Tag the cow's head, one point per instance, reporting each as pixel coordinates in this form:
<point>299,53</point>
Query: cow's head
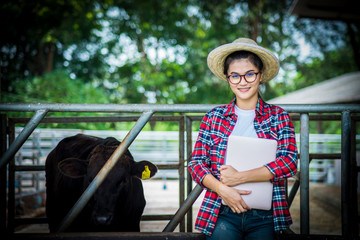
<point>112,197</point>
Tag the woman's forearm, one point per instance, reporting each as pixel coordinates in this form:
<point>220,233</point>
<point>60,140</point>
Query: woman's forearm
<point>231,177</point>
<point>211,183</point>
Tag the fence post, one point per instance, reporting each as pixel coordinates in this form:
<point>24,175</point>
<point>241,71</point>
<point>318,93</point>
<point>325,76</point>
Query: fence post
<point>346,207</point>
<point>3,173</point>
<point>181,169</point>
<point>304,176</point>
<point>189,178</point>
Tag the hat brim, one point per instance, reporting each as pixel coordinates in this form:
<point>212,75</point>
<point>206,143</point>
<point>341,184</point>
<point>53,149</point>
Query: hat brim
<point>216,59</point>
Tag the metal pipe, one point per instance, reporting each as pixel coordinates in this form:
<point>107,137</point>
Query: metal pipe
<point>11,185</point>
<point>170,227</point>
<point>181,168</point>
<point>96,119</point>
<point>25,133</point>
<point>293,191</point>
<point>346,173</point>
<point>3,173</point>
<point>354,177</point>
<point>115,108</point>
<point>304,176</point>
<point>189,216</point>
<point>94,185</point>
<point>165,108</point>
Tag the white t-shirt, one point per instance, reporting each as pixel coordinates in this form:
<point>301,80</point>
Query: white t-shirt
<point>245,123</point>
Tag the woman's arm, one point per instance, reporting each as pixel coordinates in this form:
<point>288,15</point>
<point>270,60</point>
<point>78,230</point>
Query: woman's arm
<point>231,196</point>
<point>285,164</point>
<point>231,177</point>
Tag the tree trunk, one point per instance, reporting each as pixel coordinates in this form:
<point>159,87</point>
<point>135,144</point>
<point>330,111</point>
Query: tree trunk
<point>354,45</point>
<point>39,68</point>
<point>255,7</point>
<point>49,57</point>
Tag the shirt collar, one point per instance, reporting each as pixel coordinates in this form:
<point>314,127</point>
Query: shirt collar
<point>259,110</point>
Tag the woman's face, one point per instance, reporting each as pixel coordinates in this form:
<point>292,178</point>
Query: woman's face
<point>246,93</point>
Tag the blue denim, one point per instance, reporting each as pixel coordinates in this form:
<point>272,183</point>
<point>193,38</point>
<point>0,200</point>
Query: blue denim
<point>254,224</point>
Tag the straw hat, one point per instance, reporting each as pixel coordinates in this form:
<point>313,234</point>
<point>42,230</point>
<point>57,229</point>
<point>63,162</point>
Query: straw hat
<point>216,58</point>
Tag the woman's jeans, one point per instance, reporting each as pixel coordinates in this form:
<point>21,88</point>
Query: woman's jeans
<point>254,224</point>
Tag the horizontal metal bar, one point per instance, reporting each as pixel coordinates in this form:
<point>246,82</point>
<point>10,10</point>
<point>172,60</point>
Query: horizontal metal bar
<point>28,168</point>
<point>108,236</point>
<point>157,217</point>
<point>296,117</point>
<point>26,221</point>
<point>323,156</point>
<point>96,119</point>
<point>23,221</point>
<point>74,107</point>
<point>168,166</point>
<point>165,108</point>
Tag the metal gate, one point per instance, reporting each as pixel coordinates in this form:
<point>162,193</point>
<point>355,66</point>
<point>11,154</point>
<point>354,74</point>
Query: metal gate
<point>347,114</point>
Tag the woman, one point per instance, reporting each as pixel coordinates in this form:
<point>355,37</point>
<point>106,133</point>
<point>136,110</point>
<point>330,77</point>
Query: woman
<point>244,65</point>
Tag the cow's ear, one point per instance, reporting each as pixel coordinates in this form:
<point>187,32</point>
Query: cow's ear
<point>73,167</point>
<point>143,169</point>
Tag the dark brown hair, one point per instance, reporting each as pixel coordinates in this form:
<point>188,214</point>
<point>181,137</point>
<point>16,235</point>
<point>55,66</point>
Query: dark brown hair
<point>253,58</point>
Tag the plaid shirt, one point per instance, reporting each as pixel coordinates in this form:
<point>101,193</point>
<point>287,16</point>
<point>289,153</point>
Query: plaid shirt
<point>270,122</point>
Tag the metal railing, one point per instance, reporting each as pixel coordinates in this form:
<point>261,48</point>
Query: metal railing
<point>349,116</point>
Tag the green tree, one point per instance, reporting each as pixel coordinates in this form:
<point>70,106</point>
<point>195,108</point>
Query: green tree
<point>36,33</point>
<point>153,51</point>
<point>57,87</point>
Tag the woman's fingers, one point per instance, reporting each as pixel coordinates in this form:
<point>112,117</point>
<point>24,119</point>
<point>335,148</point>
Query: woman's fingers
<point>238,209</point>
<point>242,202</point>
<point>244,192</point>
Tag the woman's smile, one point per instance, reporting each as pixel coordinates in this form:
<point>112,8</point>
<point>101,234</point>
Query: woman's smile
<point>244,89</point>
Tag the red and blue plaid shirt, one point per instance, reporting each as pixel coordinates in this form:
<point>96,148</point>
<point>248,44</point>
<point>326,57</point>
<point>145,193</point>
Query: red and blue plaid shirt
<point>270,122</point>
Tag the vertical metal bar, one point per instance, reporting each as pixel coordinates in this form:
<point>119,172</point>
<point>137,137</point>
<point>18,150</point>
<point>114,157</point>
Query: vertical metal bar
<point>188,176</point>
<point>181,169</point>
<point>3,173</point>
<point>25,133</point>
<point>11,182</point>
<point>94,185</point>
<point>346,207</point>
<point>354,181</point>
<point>170,227</point>
<point>304,177</point>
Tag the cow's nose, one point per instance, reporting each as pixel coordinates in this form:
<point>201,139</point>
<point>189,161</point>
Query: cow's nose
<point>102,220</point>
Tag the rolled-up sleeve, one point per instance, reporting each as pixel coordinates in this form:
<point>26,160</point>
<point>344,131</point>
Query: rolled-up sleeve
<point>285,164</point>
<point>199,165</point>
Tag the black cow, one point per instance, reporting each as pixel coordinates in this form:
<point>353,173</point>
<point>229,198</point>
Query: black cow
<point>118,203</point>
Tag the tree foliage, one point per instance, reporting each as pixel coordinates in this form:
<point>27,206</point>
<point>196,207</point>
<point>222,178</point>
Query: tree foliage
<point>155,51</point>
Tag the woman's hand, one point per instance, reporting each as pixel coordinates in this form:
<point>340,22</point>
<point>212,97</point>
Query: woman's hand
<point>232,198</point>
<point>229,176</point>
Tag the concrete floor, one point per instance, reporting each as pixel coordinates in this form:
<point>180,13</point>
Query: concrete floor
<point>163,198</point>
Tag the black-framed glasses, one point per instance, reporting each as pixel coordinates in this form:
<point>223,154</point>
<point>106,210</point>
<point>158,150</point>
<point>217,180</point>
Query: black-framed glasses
<point>236,78</point>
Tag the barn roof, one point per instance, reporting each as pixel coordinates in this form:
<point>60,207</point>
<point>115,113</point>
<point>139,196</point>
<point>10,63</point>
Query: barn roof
<point>342,89</point>
<point>343,10</point>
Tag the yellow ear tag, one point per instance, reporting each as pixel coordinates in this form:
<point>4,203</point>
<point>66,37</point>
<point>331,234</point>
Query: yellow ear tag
<point>146,173</point>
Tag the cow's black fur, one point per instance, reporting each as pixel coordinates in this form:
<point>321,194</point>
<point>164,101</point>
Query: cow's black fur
<point>118,203</point>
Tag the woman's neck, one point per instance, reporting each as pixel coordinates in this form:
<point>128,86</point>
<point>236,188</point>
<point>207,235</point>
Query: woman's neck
<point>247,104</point>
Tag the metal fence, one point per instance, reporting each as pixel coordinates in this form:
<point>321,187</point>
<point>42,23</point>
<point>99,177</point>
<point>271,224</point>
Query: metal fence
<point>347,114</point>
